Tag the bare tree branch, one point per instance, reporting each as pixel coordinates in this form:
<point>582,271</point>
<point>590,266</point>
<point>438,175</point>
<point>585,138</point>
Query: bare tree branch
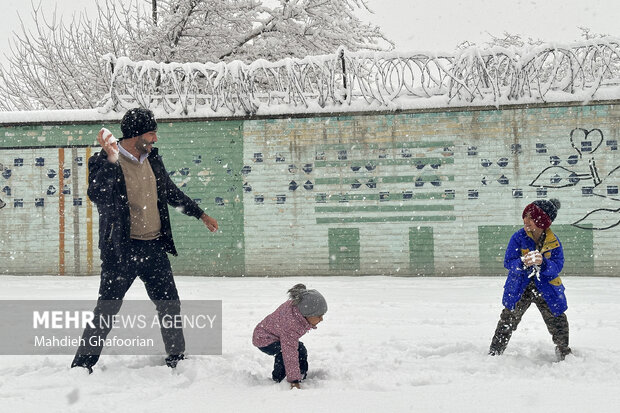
<point>60,65</point>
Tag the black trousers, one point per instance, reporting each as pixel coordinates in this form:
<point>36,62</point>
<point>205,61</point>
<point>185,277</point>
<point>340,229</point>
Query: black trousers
<point>279,372</point>
<point>510,319</point>
<point>149,261</point>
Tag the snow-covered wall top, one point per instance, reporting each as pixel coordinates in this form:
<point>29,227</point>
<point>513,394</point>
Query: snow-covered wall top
<point>361,81</point>
<point>365,80</point>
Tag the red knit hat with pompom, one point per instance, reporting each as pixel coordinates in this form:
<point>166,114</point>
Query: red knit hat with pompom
<point>543,212</point>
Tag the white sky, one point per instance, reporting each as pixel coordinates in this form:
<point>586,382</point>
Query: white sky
<point>422,25</point>
<point>440,25</point>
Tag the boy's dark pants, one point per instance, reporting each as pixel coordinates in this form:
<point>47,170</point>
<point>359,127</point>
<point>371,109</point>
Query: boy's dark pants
<point>509,320</point>
<point>279,373</point>
<point>149,261</point>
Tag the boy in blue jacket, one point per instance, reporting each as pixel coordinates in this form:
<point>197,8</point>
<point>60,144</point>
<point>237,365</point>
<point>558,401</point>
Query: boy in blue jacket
<point>534,259</point>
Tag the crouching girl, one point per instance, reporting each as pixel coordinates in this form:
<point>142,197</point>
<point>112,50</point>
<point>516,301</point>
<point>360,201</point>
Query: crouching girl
<point>278,334</point>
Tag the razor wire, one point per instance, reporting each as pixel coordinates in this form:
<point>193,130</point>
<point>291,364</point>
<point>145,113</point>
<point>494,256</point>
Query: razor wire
<point>378,80</point>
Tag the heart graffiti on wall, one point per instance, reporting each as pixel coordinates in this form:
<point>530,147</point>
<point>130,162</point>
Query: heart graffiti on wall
<point>598,180</point>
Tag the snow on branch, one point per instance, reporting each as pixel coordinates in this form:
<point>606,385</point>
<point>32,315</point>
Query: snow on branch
<point>496,76</point>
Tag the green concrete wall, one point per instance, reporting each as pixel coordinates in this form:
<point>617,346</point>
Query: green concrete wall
<point>50,227</point>
<point>429,192</point>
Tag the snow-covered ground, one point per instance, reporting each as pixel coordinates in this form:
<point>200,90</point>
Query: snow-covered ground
<point>386,345</point>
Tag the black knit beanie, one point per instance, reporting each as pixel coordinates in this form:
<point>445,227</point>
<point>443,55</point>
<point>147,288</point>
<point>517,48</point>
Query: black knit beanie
<point>137,121</point>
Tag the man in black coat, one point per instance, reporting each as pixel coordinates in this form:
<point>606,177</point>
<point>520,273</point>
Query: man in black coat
<point>132,190</point>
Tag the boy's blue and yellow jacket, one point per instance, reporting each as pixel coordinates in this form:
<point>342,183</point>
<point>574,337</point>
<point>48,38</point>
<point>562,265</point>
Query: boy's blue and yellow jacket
<point>549,284</point>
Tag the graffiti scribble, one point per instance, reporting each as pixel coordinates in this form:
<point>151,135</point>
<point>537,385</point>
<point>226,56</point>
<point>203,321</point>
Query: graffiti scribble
<point>558,177</point>
<point>601,219</point>
<point>586,141</point>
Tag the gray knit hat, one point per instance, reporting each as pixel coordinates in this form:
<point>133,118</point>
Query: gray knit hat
<point>310,302</point>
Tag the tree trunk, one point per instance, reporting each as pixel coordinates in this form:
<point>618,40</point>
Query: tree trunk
<point>154,5</point>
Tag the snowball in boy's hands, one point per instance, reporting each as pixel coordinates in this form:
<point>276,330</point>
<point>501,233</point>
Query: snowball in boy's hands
<point>295,386</point>
<point>536,257</point>
<point>109,144</point>
<point>532,258</point>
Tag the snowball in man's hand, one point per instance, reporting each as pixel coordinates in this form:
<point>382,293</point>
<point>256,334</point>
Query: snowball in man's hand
<point>108,137</point>
<point>111,145</point>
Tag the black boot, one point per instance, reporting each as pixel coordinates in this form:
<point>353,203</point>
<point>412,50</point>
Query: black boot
<point>173,359</point>
<point>498,343</point>
<point>84,361</point>
<point>279,372</point>
<point>495,351</point>
<point>562,352</point>
<point>89,368</point>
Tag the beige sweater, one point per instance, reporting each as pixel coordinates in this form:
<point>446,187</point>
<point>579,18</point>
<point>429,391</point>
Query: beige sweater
<point>142,196</point>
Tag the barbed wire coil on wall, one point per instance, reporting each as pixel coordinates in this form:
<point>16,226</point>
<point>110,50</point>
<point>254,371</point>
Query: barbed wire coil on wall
<point>386,80</point>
